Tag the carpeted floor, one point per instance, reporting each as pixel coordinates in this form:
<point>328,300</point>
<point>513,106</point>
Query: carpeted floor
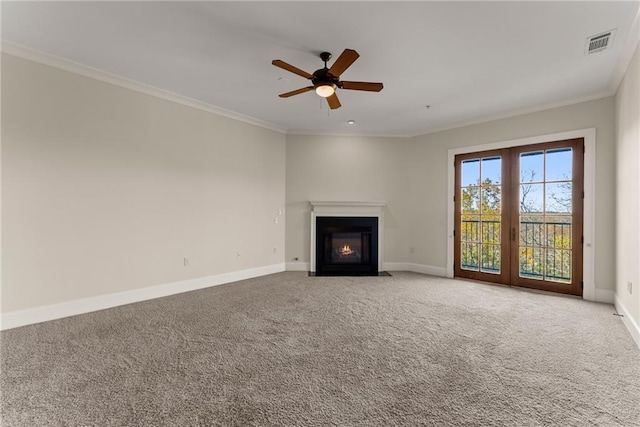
<point>293,350</point>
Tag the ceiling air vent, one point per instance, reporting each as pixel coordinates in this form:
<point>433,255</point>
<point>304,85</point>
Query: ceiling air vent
<point>599,42</point>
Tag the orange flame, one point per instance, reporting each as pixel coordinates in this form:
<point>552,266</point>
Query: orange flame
<point>346,250</point>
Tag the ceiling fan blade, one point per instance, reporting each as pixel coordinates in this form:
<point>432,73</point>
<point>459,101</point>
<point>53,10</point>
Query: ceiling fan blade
<point>371,87</point>
<point>291,68</point>
<point>333,101</point>
<point>343,62</point>
<point>296,92</point>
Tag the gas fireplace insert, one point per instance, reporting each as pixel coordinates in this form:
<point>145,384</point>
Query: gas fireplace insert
<point>346,246</point>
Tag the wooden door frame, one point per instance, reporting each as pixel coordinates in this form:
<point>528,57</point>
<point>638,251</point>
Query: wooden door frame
<point>505,218</point>
<point>577,146</point>
<point>589,135</point>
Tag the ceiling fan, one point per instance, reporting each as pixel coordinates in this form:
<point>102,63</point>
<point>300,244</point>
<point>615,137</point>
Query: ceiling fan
<point>325,81</point>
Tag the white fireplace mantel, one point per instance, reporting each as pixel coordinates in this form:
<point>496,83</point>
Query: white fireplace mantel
<point>347,209</point>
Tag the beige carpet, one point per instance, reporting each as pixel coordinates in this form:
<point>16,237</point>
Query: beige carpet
<point>292,350</point>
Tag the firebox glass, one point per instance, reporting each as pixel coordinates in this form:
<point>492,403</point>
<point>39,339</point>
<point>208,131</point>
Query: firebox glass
<point>346,248</point>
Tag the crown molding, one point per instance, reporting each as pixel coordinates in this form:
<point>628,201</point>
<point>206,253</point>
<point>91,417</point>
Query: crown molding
<point>33,55</point>
<point>347,135</point>
<point>626,53</point>
<point>343,203</point>
<point>515,113</point>
<point>463,123</point>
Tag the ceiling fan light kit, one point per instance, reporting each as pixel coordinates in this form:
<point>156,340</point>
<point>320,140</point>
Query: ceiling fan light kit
<point>326,80</point>
<point>325,90</point>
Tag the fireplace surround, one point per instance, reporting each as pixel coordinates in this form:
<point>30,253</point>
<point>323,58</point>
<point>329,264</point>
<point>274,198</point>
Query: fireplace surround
<point>347,238</point>
<point>346,245</point>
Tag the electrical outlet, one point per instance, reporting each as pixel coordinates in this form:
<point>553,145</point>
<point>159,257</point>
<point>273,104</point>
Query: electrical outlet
<point>630,287</point>
<point>275,249</point>
<point>186,262</point>
<point>412,250</point>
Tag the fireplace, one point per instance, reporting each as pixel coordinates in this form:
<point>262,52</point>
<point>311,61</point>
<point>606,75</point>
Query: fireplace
<point>346,246</point>
<point>347,238</point>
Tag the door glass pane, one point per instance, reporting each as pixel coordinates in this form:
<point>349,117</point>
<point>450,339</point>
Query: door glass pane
<point>470,200</point>
<point>532,230</point>
<point>532,263</point>
<point>470,172</point>
<point>490,258</point>
<point>470,228</point>
<point>531,198</point>
<point>558,233</point>
<point>558,241</point>
<point>558,198</point>
<point>469,254</point>
<point>545,215</point>
<point>532,166</point>
<point>490,200</point>
<point>558,165</point>
<point>490,229</point>
<point>491,170</point>
<point>558,265</point>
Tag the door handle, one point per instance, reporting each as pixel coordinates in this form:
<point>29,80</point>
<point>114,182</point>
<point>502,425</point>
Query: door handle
<point>513,234</point>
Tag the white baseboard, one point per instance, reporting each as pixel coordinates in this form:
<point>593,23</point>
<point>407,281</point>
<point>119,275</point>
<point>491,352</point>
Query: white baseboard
<point>297,266</point>
<point>395,266</point>
<point>629,322</point>
<point>589,291</point>
<point>387,266</point>
<point>14,319</point>
<point>603,295</point>
<point>416,268</point>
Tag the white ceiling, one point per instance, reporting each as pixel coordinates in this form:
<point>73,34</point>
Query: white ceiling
<point>470,61</point>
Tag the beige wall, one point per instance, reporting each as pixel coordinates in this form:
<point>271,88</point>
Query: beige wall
<point>330,168</point>
<point>628,190</point>
<point>105,189</point>
<point>412,175</point>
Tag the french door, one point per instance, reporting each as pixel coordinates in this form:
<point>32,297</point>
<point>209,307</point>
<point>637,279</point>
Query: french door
<point>519,216</point>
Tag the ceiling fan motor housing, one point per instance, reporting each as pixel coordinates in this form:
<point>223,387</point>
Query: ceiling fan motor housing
<point>323,77</point>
